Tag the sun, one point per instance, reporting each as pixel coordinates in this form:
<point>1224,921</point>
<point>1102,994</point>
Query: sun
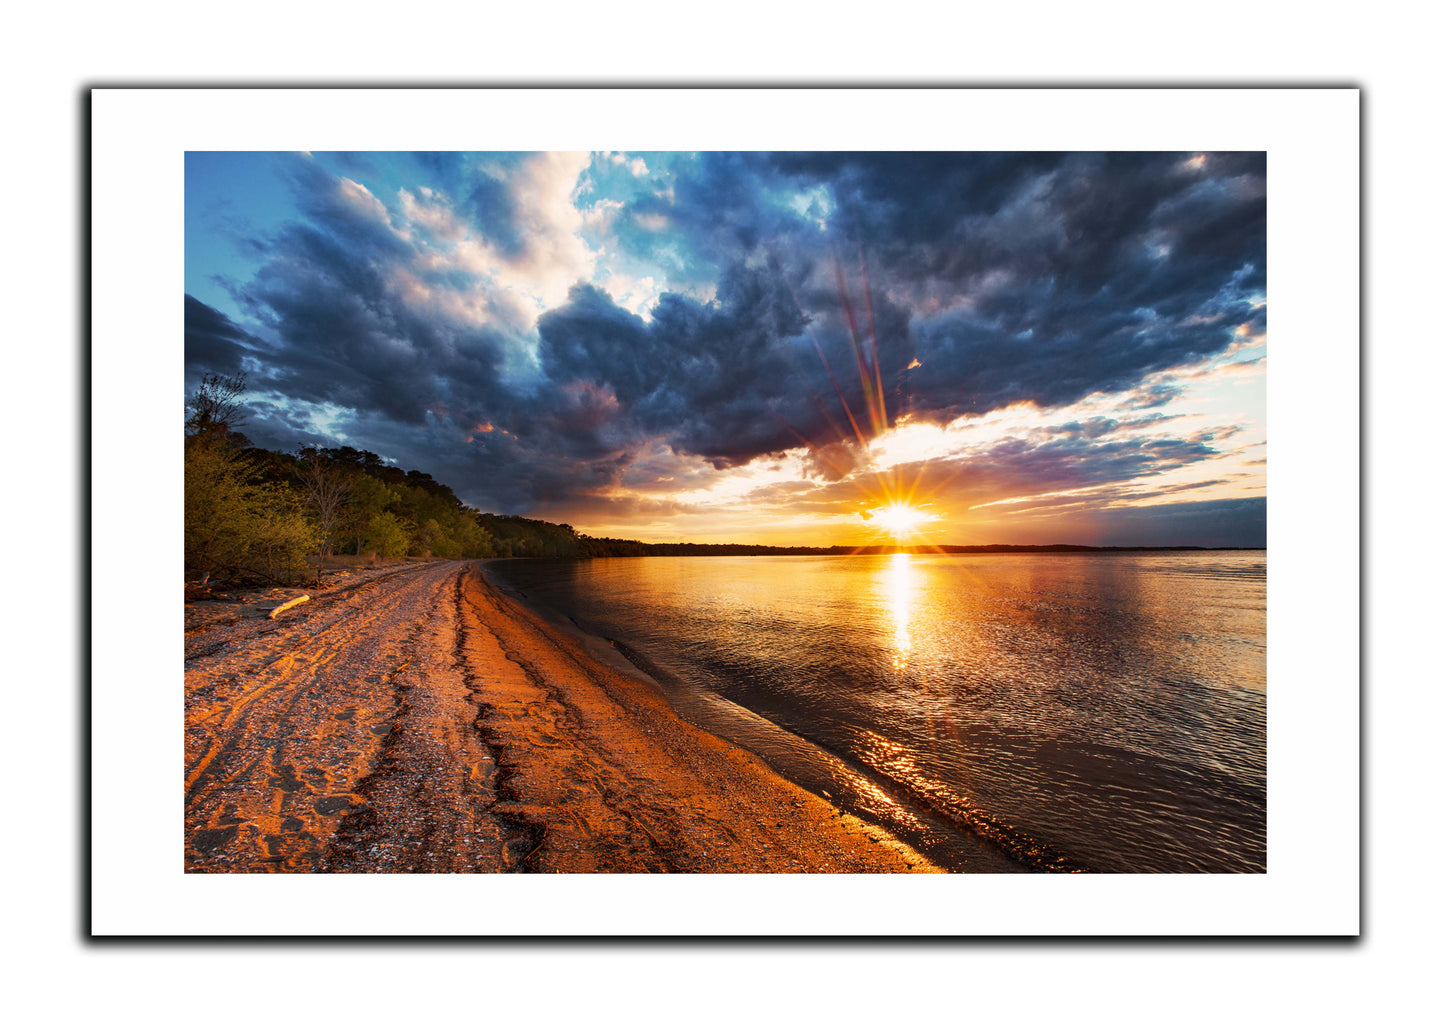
<point>900,520</point>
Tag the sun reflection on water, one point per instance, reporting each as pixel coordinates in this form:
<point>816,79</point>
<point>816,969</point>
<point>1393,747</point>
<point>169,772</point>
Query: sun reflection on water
<point>900,593</point>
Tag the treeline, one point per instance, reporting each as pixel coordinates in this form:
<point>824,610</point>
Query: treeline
<point>593,546</point>
<point>255,515</point>
<point>1009,548</point>
<point>515,536</point>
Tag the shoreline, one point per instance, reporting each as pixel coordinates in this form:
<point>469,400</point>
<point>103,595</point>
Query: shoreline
<point>953,843</point>
<point>427,722</point>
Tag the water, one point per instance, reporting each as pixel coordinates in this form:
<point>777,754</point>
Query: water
<point>1098,712</point>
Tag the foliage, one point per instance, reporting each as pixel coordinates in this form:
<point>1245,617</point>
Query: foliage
<point>254,514</point>
<point>326,489</point>
<point>237,526</point>
<point>513,536</point>
<point>387,535</point>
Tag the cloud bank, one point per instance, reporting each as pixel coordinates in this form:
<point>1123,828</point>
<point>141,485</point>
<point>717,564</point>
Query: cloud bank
<point>550,330</point>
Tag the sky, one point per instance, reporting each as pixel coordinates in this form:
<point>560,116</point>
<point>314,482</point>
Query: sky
<point>791,348</point>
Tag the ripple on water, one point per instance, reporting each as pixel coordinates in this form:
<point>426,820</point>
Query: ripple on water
<point>1105,708</point>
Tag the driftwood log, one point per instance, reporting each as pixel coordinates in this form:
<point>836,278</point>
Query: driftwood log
<point>289,604</point>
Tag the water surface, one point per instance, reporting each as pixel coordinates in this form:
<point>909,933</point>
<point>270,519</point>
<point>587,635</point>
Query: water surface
<point>1100,712</point>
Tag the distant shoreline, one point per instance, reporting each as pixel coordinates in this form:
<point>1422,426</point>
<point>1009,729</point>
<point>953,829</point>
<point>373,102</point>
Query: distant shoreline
<point>592,546</point>
<point>1023,548</point>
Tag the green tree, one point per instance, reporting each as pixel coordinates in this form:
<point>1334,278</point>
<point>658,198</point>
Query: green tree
<point>387,535</point>
<point>256,514</point>
<point>236,527</point>
<point>369,498</point>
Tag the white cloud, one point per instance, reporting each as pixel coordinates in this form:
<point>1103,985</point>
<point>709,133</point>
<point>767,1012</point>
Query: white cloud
<point>815,205</point>
<point>433,213</point>
<point>363,201</point>
<point>553,255</point>
<point>636,166</point>
<point>600,216</point>
<point>639,295</point>
<point>511,289</point>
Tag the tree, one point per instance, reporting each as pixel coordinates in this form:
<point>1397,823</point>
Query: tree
<point>252,513</point>
<point>328,490</point>
<point>215,405</point>
<point>387,535</point>
<point>237,526</point>
<point>369,498</point>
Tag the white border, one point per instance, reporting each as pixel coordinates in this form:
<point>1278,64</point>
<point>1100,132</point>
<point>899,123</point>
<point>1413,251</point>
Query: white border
<point>139,138</point>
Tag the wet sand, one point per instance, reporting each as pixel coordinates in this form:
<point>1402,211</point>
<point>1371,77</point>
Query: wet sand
<point>419,721</point>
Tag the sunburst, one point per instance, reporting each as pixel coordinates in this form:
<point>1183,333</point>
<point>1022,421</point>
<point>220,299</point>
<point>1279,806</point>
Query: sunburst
<point>899,519</point>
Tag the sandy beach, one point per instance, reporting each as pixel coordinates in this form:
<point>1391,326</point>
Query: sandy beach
<point>413,719</point>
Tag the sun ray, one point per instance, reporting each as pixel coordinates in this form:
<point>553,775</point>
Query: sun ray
<point>900,519</point>
<point>873,337</point>
<point>894,500</point>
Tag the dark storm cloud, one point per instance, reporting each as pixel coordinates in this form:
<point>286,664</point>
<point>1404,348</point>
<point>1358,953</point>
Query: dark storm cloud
<point>340,332</point>
<point>1078,273</point>
<point>1034,277</point>
<point>344,334</point>
<point>718,210</point>
<point>737,377</point>
<point>346,339</point>
<point>344,210</point>
<point>214,341</point>
<point>1075,216</point>
<point>713,376</point>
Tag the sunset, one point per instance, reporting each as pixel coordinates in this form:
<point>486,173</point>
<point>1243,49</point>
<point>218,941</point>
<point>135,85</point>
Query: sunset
<point>752,512</point>
<point>787,349</point>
